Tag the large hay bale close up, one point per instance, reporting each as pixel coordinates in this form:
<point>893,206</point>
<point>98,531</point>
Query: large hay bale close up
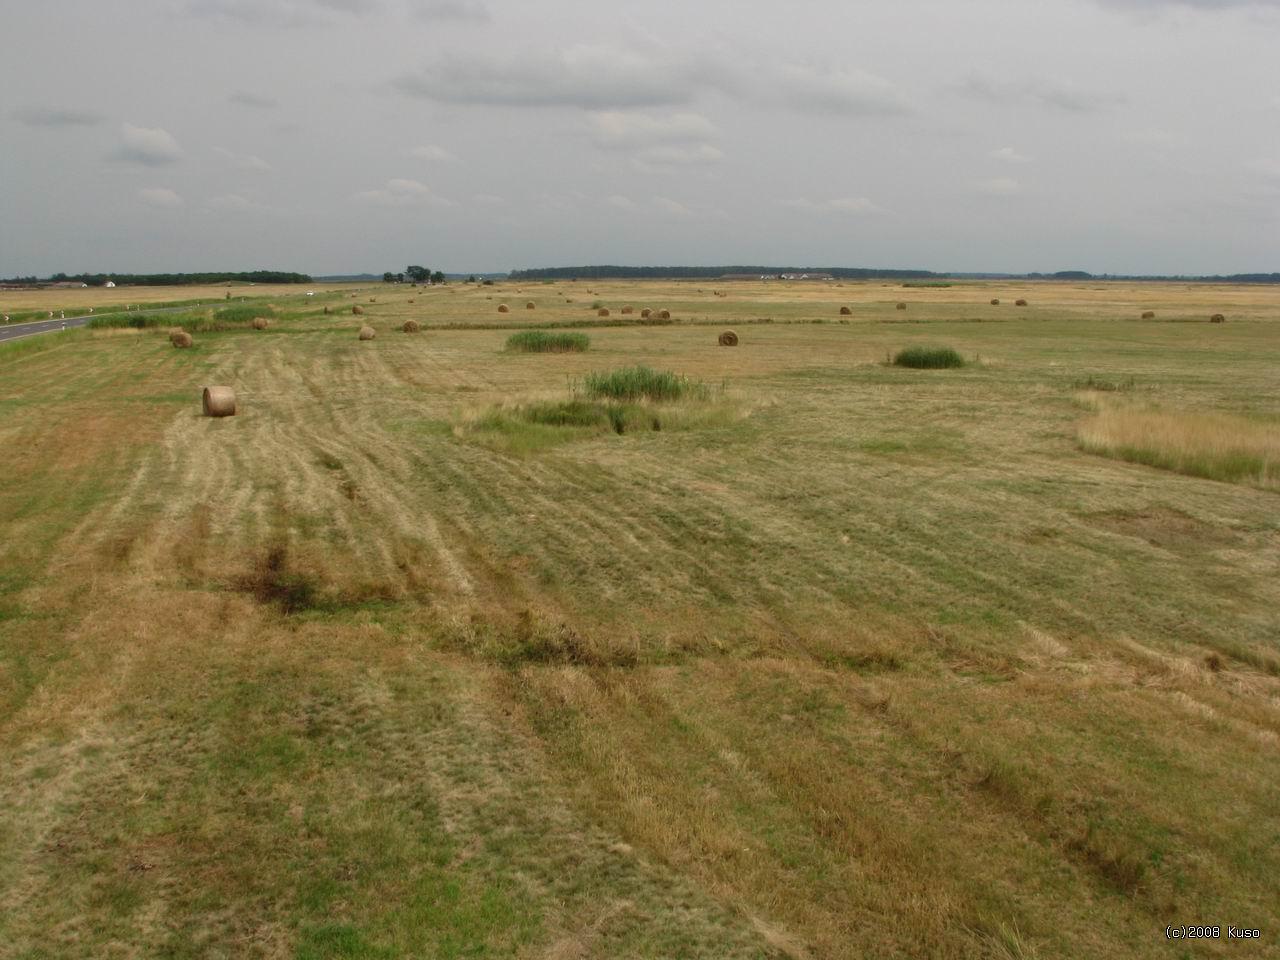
<point>367,333</point>
<point>530,305</point>
<point>1019,303</point>
<point>846,312</point>
<point>728,339</point>
<point>503,308</point>
<point>664,315</point>
<point>645,313</point>
<point>602,312</point>
<point>627,310</point>
<point>900,306</point>
<point>1217,318</point>
<point>411,326</point>
<point>1148,314</point>
<point>181,339</point>
<point>260,323</point>
<point>219,402</point>
<point>995,301</point>
<point>358,310</point>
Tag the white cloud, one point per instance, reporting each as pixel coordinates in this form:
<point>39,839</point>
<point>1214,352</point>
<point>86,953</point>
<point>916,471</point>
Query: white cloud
<point>671,207</point>
<point>621,202</point>
<point>852,92</point>
<point>665,159</point>
<point>850,206</point>
<point>614,128</point>
<point>400,192</point>
<point>433,154</point>
<point>233,203</point>
<point>149,146</point>
<point>159,197</point>
<point>998,187</point>
<point>245,161</point>
<point>1009,155</point>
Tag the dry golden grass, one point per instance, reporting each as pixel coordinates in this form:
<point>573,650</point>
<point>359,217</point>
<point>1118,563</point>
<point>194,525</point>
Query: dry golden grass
<point>1217,446</point>
<point>884,664</point>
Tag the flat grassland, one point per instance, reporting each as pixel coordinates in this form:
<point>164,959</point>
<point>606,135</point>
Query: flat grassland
<point>419,656</point>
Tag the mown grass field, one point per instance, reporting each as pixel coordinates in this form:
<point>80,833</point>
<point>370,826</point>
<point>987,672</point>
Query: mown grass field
<point>838,659</point>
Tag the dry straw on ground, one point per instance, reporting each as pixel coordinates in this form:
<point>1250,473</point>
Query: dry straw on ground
<point>219,402</point>
<point>367,333</point>
<point>728,339</point>
<point>260,323</point>
<point>411,326</point>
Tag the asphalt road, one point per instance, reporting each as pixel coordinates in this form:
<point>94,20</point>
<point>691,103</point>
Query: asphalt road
<point>15,331</point>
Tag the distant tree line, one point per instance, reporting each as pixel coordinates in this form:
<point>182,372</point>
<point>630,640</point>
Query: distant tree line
<point>707,273</point>
<point>414,274</point>
<point>168,279</point>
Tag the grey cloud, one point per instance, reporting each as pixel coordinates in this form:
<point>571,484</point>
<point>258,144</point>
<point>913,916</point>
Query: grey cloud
<point>56,117</point>
<point>464,10</point>
<point>1048,93</point>
<point>1197,4</point>
<point>615,128</point>
<point>247,99</point>
<point>285,13</point>
<point>589,77</point>
<point>151,147</point>
<point>244,161</point>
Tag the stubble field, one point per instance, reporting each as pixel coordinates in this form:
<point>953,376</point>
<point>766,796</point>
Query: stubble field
<point>830,658</point>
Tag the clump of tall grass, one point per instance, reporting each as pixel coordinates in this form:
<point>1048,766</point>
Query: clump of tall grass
<point>1104,385</point>
<point>539,341</point>
<point>928,358</point>
<point>243,313</point>
<point>643,383</point>
<point>1216,446</point>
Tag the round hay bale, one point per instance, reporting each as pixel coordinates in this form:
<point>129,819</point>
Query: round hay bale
<point>901,306</point>
<point>503,308</point>
<point>530,305</point>
<point>326,311</point>
<point>728,339</point>
<point>358,310</point>
<point>411,326</point>
<point>1019,303</point>
<point>260,323</point>
<point>602,312</point>
<point>627,310</point>
<point>846,312</point>
<point>373,299</point>
<point>219,402</point>
<point>411,299</point>
<point>367,333</point>
<point>664,315</point>
<point>181,339</point>
<point>995,301</point>
<point>1217,318</point>
<point>644,314</point>
<point>1148,314</point>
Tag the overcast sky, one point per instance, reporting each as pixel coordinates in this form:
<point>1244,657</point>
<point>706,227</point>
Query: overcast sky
<point>334,136</point>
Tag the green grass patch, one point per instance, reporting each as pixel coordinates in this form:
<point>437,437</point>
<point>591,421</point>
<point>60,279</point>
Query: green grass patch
<point>644,383</point>
<point>928,358</point>
<point>539,341</point>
